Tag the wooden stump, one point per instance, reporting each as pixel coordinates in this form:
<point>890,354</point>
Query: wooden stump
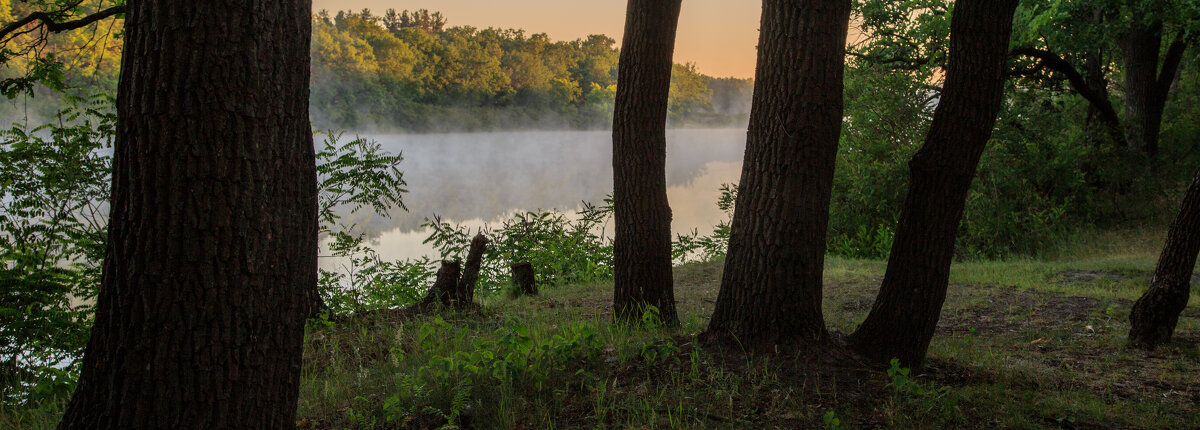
<point>523,279</point>
<point>445,287</point>
<point>453,286</point>
<point>466,285</point>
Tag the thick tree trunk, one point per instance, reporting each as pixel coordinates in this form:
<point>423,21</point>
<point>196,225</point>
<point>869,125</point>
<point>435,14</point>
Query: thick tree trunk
<point>523,279</point>
<point>902,321</point>
<point>212,246</point>
<point>1143,102</point>
<point>1153,319</point>
<point>642,218</point>
<point>771,288</point>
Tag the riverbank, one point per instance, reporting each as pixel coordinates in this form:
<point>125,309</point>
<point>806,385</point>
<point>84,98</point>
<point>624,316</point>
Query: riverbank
<point>1020,344</point>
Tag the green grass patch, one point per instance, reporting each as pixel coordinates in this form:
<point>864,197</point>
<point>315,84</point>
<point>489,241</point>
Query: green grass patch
<point>1021,343</point>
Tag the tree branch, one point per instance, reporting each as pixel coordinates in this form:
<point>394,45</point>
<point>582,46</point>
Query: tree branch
<point>1170,65</point>
<point>46,20</point>
<point>895,62</point>
<point>1095,98</point>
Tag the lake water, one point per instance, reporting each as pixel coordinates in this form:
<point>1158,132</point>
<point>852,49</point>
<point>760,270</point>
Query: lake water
<point>477,178</point>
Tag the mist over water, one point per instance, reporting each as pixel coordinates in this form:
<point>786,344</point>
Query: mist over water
<point>477,178</point>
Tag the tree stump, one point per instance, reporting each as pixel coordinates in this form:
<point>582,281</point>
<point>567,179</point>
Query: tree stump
<point>466,285</point>
<point>523,279</point>
<point>445,288</point>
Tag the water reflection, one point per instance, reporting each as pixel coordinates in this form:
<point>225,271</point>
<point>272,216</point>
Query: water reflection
<point>477,178</point>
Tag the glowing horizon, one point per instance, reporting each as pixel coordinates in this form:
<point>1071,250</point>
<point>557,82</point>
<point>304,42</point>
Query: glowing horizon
<point>719,36</point>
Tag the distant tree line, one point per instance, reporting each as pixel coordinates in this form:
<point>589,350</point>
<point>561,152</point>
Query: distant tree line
<point>409,71</point>
<point>399,71</point>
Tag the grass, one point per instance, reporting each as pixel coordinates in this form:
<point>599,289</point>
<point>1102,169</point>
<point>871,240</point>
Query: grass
<point>1022,344</point>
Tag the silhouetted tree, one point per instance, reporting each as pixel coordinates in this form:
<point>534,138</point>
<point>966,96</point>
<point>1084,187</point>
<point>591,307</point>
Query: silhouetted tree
<point>212,237</point>
<point>1154,315</point>
<point>771,288</point>
<point>902,321</point>
<point>642,216</point>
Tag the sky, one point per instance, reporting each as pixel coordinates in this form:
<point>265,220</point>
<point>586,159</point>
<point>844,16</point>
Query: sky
<point>718,35</point>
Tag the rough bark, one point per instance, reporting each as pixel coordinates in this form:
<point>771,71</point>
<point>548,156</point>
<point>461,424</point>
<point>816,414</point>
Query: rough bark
<point>905,313</point>
<point>771,288</point>
<point>212,242</point>
<point>1155,314</point>
<point>466,284</point>
<point>523,279</point>
<point>642,216</point>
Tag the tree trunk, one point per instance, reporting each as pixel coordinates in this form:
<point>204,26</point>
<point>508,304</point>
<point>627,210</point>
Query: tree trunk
<point>1143,104</point>
<point>466,285</point>
<point>523,279</point>
<point>1153,319</point>
<point>642,218</point>
<point>902,321</point>
<point>771,287</point>
<point>212,246</point>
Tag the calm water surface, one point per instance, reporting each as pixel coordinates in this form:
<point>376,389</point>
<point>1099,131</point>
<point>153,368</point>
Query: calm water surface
<point>478,178</point>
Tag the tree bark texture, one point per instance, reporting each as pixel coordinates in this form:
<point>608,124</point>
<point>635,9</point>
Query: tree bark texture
<point>771,288</point>
<point>212,242</point>
<point>1143,103</point>
<point>642,218</point>
<point>523,279</point>
<point>902,321</point>
<point>1154,315</point>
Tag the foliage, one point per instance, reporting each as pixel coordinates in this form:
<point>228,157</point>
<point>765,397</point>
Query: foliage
<point>1049,170</point>
<point>35,66</point>
<point>409,71</point>
<point>694,247</point>
<point>353,176</point>
<point>54,181</point>
<point>511,358</point>
<point>562,248</point>
<point>54,190</point>
<point>922,405</point>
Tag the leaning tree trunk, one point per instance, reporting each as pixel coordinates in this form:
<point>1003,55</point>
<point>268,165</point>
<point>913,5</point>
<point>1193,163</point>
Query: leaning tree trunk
<point>212,242</point>
<point>771,287</point>
<point>642,218</point>
<point>902,321</point>
<point>1155,314</point>
<point>470,276</point>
